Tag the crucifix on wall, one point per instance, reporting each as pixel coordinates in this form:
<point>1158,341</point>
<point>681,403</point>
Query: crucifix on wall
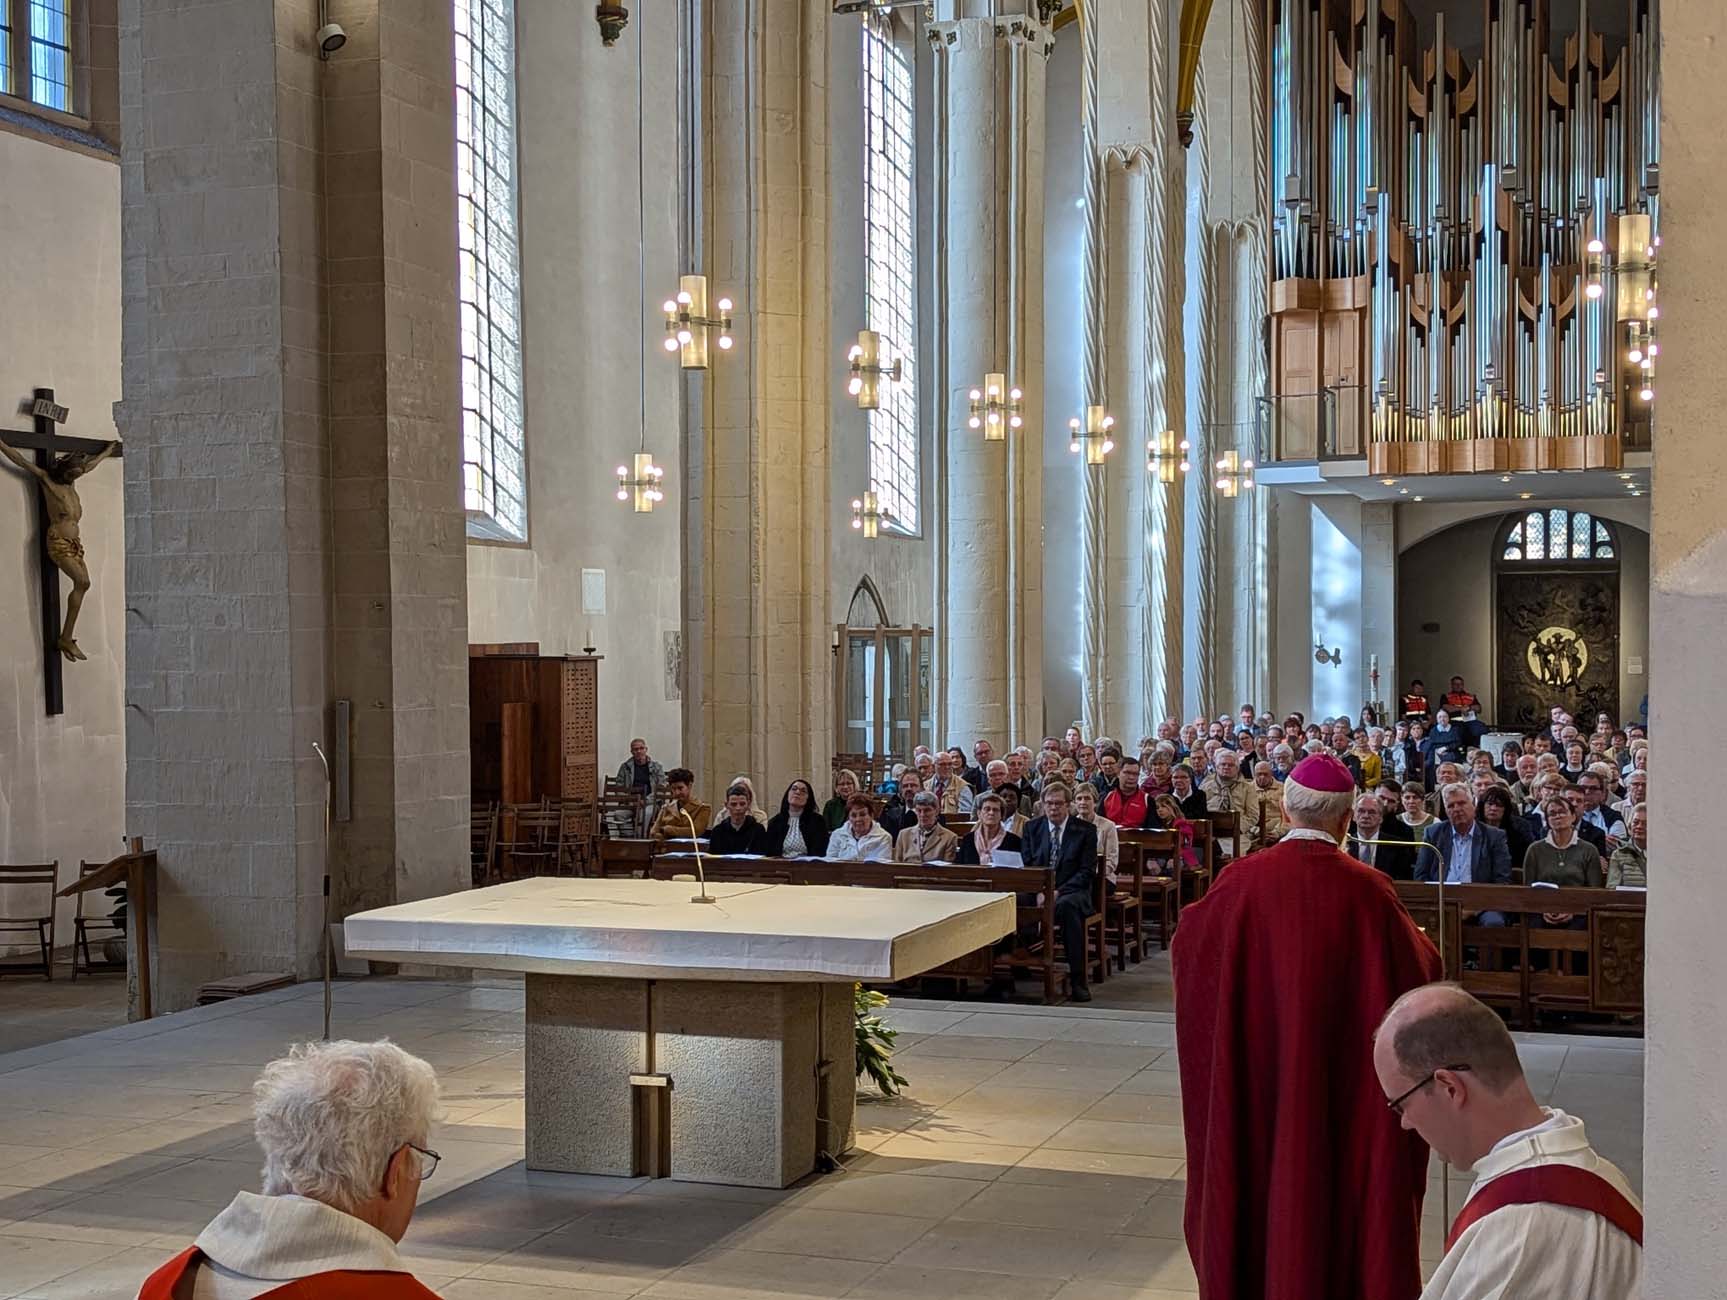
<point>58,464</point>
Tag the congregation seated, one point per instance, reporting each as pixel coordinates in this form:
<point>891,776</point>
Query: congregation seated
<point>1629,865</point>
<point>989,837</point>
<point>1562,858</point>
<point>1396,860</point>
<point>1494,807</point>
<point>1129,804</point>
<point>736,831</point>
<point>1226,790</point>
<point>1415,814</point>
<point>896,813</point>
<point>682,816</point>
<point>1108,835</point>
<point>860,839</point>
<point>1263,823</point>
<point>1184,789</point>
<point>845,786</point>
<point>344,1128</point>
<point>797,830</point>
<point>1472,851</point>
<point>640,771</point>
<point>1067,844</point>
<point>925,840</point>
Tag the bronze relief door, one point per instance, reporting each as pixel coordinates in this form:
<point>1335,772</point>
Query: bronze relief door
<point>1557,629</point>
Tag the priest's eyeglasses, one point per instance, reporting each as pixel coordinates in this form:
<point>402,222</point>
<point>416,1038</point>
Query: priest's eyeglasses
<point>428,1160</point>
<point>1396,1103</point>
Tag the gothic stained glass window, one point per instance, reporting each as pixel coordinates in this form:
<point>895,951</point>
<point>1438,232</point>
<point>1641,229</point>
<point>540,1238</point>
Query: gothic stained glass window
<point>494,440</point>
<point>890,266</point>
<point>1556,534</point>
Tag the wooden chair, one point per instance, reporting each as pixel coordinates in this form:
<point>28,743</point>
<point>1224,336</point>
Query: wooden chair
<point>1226,825</point>
<point>622,811</point>
<point>531,843</point>
<point>1159,877</point>
<point>1196,880</point>
<point>1124,916</point>
<point>21,915</point>
<point>618,857</point>
<point>483,840</point>
<point>579,834</point>
<point>83,923</point>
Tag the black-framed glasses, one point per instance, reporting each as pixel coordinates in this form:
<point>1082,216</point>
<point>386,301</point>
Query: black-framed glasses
<point>428,1160</point>
<point>1395,1105</point>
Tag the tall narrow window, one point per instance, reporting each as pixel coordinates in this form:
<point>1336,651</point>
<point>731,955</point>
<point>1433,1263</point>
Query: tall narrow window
<point>51,54</point>
<point>6,48</point>
<point>494,453</point>
<point>891,266</point>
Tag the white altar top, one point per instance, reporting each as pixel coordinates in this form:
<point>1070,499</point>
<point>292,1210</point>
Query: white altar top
<point>649,929</point>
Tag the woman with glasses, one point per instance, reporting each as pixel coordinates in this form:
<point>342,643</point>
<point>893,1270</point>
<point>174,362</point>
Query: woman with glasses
<point>797,830</point>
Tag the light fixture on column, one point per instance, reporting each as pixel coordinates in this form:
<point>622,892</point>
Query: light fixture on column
<point>642,482</point>
<point>1234,475</point>
<point>1097,436</point>
<point>1166,457</point>
<point>996,408</point>
<point>867,370</point>
<point>867,515</point>
<point>688,323</point>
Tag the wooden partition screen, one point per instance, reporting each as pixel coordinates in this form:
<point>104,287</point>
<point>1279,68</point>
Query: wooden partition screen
<point>533,724</point>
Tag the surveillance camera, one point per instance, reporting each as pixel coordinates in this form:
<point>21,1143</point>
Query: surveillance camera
<point>331,38</point>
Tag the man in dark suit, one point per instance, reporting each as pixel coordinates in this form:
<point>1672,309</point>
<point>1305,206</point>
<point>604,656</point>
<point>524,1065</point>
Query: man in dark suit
<point>1472,851</point>
<point>1396,861</point>
<point>1068,844</point>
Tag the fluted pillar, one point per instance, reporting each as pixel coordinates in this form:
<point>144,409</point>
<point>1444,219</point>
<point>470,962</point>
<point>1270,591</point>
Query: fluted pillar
<point>989,103</point>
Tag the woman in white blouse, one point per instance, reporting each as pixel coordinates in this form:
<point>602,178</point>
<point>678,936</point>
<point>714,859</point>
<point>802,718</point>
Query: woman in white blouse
<point>860,839</point>
<point>1108,842</point>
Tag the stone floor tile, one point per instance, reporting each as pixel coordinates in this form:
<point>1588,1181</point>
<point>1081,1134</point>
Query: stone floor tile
<point>1154,1080</point>
<point>1602,1060</point>
<point>981,1047</point>
<point>1004,1248</point>
<point>1053,1167</point>
<point>933,1154</point>
<point>731,1274</point>
<point>1123,1033</point>
<point>909,1282</point>
<point>587,1261</point>
<point>1161,1216</point>
<point>468,1288</point>
<point>1091,1289</point>
<point>1094,1055</point>
<point>1117,1136</point>
<point>1085,1209</point>
<point>1142,1262</point>
<point>27,1263</point>
<point>831,1234</point>
<point>868,1191</point>
<point>1137,1108</point>
<point>1004,1025</point>
<point>1072,1077</point>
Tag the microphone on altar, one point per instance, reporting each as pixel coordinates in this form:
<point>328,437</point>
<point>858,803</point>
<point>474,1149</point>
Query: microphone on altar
<point>701,872</point>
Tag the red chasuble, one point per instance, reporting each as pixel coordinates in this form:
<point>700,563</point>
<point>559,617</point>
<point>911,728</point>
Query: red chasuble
<point>1300,1183</point>
<point>339,1285</point>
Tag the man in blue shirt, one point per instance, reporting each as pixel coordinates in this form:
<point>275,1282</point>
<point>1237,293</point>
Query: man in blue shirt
<point>1473,852</point>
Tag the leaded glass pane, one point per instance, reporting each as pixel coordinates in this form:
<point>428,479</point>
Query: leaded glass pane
<point>51,54</point>
<point>493,434</point>
<point>1536,527</point>
<point>1580,535</point>
<point>890,256</point>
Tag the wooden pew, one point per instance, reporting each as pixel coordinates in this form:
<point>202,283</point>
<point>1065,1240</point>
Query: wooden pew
<point>1538,970</point>
<point>1031,949</point>
<point>1159,892</point>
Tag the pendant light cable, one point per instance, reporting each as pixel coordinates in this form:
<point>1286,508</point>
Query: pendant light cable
<point>641,239</point>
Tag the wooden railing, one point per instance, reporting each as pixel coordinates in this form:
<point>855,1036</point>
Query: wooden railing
<point>136,869</point>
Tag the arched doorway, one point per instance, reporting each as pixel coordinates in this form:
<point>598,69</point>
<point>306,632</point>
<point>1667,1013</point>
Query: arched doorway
<point>1556,635</point>
<point>882,689</point>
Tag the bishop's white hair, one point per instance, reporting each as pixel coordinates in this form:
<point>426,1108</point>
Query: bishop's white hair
<point>1315,809</point>
<point>330,1115</point>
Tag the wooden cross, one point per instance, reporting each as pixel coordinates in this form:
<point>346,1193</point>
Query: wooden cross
<point>46,443</point>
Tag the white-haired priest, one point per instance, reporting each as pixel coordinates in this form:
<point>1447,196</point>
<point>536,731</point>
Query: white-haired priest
<point>344,1128</point>
<point>1299,1180</point>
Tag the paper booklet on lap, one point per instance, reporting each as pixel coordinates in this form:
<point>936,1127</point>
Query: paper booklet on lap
<point>1006,858</point>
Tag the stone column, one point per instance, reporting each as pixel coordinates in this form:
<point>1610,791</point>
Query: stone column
<point>1378,598</point>
<point>1135,583</point>
<point>989,98</point>
<point>761,501</point>
<point>1685,1126</point>
<point>294,523</point>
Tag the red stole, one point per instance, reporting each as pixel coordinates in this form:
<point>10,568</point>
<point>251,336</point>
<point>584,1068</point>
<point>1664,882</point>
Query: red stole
<point>1568,1185</point>
<point>339,1285</point>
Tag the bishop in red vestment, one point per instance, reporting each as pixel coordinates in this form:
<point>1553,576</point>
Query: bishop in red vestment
<point>1301,1185</point>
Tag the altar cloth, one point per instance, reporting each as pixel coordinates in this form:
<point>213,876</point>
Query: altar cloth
<point>649,929</point>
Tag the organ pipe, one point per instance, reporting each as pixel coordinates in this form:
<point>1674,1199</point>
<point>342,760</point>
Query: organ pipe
<point>1461,184</point>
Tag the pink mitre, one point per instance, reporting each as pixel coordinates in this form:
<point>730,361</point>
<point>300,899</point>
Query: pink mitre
<point>1323,774</point>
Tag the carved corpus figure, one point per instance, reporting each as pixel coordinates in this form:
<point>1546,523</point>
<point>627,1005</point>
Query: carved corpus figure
<point>64,510</point>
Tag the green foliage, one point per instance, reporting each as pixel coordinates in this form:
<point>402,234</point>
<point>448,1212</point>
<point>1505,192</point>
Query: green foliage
<point>875,1040</point>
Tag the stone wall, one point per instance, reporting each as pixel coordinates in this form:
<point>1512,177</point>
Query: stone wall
<point>61,778</point>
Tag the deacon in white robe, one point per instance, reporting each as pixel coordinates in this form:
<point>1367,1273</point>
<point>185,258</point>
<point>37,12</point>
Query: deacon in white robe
<point>1547,1218</point>
<point>1541,1251</point>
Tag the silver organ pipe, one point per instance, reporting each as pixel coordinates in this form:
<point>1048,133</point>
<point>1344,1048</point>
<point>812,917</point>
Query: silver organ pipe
<point>1471,200</point>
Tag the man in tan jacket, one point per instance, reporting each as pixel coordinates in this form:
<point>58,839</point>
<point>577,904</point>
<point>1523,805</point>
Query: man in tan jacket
<point>672,823</point>
<point>924,840</point>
